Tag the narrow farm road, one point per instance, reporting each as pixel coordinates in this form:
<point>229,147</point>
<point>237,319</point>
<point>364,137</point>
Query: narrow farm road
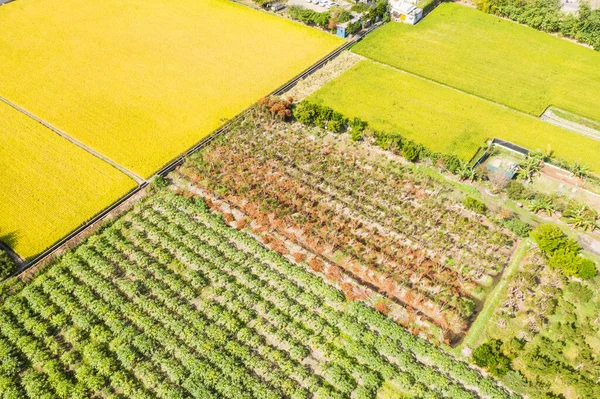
<point>494,297</point>
<point>138,179</point>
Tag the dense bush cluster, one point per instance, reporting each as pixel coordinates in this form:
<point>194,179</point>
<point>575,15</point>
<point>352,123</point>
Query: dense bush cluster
<point>546,15</point>
<point>562,252</point>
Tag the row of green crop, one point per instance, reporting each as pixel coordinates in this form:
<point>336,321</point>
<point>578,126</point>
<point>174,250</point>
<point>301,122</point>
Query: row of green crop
<point>424,349</point>
<point>170,302</point>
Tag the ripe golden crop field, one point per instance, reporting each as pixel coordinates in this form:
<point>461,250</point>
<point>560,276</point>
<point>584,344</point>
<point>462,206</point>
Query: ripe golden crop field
<point>141,81</point>
<point>48,186</point>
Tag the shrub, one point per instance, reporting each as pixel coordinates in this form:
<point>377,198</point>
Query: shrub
<point>466,307</point>
<point>587,269</point>
<point>519,227</point>
<point>278,107</point>
<point>491,357</point>
<point>305,112</point>
<point>474,205</point>
<point>411,151</point>
<point>579,291</point>
<point>320,116</point>
<point>161,182</point>
<point>516,191</point>
<point>581,215</point>
<point>565,260</point>
<point>390,142</point>
<point>7,266</point>
<point>452,163</point>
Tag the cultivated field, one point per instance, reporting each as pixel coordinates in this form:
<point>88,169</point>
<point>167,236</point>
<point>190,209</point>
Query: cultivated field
<point>170,302</point>
<point>494,59</point>
<point>441,118</point>
<point>371,225</point>
<point>142,81</point>
<point>48,186</point>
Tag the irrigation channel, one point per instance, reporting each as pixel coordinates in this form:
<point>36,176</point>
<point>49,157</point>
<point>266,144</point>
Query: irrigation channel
<point>26,265</point>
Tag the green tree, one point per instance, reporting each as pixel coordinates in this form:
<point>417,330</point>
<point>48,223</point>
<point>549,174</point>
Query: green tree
<point>587,269</point>
<point>550,238</point>
<point>516,191</point>
<point>565,260</point>
<point>491,357</point>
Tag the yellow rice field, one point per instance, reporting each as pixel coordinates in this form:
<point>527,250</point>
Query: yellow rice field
<point>48,186</point>
<point>141,81</point>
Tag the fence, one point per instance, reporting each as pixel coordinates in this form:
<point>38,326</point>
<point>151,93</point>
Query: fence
<point>181,158</point>
<point>510,146</point>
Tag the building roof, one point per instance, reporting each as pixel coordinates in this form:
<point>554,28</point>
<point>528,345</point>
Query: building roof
<point>406,8</point>
<point>353,20</point>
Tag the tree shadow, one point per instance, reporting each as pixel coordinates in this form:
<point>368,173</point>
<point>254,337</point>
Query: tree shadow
<point>9,239</point>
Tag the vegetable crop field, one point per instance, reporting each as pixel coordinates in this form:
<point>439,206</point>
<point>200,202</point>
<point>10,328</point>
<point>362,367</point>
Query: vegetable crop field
<point>48,186</point>
<point>170,302</point>
<point>492,58</point>
<point>441,118</point>
<point>141,82</point>
<point>369,224</point>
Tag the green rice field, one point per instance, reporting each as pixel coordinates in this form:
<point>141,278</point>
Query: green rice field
<point>492,58</point>
<point>441,118</point>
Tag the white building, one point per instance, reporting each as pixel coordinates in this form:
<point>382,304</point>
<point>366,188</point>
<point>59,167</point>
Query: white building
<point>405,11</point>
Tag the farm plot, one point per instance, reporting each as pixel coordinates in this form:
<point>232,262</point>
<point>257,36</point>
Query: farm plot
<point>48,186</point>
<point>443,119</point>
<point>170,302</point>
<point>492,58</point>
<point>142,81</point>
<point>359,220</point>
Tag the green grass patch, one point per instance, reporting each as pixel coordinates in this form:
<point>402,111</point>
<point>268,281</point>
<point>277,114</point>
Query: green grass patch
<point>441,118</point>
<point>475,334</point>
<point>492,58</point>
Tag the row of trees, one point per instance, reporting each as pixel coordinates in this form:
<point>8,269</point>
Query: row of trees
<point>546,15</point>
<point>336,15</point>
<point>312,114</point>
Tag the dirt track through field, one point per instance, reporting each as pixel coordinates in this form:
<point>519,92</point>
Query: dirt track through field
<point>138,179</point>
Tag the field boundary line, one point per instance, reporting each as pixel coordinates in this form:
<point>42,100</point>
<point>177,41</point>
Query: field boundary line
<point>48,253</point>
<point>539,118</point>
<point>139,180</point>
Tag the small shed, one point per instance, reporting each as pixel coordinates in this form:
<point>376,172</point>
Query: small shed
<point>405,11</point>
<point>342,29</point>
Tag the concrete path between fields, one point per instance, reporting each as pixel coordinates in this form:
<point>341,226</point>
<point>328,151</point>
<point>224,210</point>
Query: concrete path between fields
<point>138,179</point>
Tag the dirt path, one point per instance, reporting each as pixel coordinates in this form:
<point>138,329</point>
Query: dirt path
<point>574,127</point>
<point>138,179</point>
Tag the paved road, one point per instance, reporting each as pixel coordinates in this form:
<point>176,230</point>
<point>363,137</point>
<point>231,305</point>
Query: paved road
<point>79,144</point>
